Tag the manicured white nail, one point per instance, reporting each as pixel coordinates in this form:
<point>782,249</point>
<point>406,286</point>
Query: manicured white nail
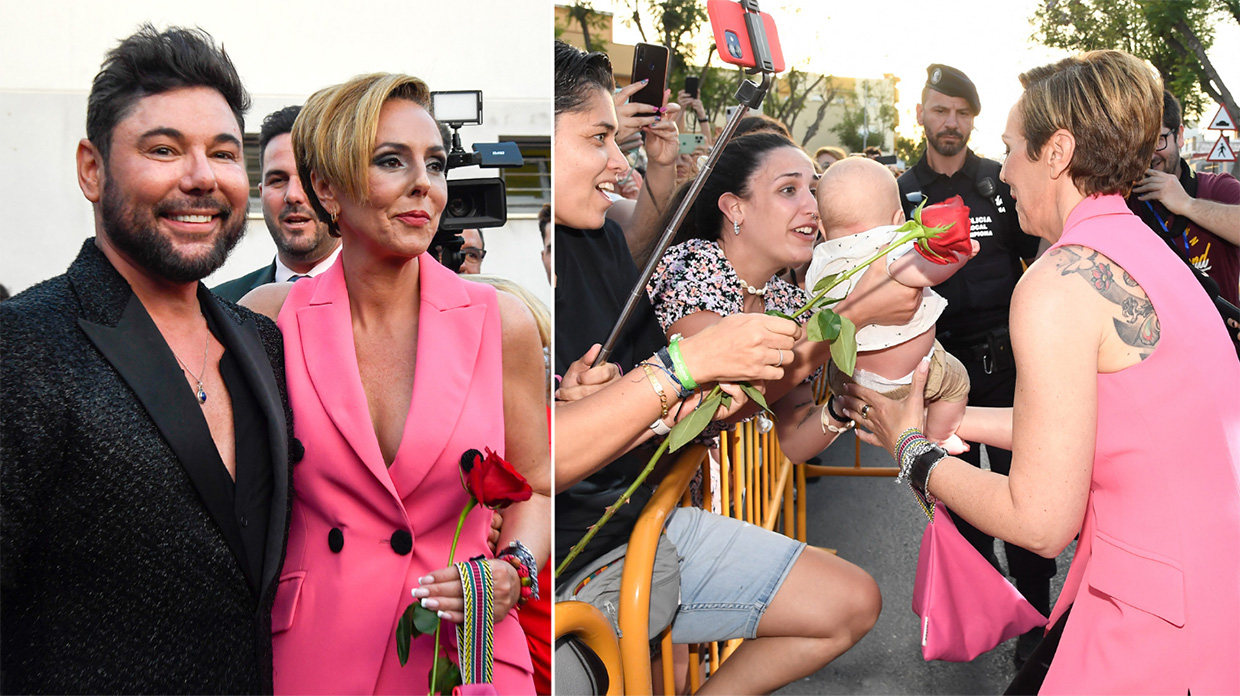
<point>444,615</point>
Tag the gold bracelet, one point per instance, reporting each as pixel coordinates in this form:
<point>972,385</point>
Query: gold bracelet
<point>658,388</point>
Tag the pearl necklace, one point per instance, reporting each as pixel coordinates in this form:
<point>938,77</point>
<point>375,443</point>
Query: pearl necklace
<point>761,292</point>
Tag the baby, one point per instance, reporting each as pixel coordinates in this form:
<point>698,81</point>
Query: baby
<point>859,203</point>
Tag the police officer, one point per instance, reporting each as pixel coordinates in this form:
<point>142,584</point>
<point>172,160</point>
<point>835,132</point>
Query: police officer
<point>974,327</point>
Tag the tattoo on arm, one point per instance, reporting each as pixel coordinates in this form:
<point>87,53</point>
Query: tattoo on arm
<point>1138,326</point>
<point>808,411</point>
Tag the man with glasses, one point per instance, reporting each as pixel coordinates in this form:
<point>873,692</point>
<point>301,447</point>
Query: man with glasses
<point>473,250</point>
<point>1198,213</point>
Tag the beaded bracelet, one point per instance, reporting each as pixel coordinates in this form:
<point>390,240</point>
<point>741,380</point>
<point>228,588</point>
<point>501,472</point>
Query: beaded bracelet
<point>906,438</point>
<point>678,363</point>
<point>910,450</point>
<point>522,560</point>
<point>658,388</point>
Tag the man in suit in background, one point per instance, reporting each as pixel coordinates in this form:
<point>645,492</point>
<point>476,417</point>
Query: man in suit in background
<point>304,247</point>
<point>145,427</point>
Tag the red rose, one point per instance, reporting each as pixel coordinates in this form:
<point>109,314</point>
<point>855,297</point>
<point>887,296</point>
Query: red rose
<point>491,480</point>
<point>952,214</point>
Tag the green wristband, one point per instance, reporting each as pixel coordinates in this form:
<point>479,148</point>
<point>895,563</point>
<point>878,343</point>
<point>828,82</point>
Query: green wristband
<point>678,364</point>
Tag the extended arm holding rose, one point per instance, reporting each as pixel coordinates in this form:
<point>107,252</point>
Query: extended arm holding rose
<point>1041,504</point>
<point>593,431</point>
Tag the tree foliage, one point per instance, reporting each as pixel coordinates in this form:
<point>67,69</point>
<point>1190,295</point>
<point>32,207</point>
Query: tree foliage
<point>856,131</point>
<point>591,22</point>
<point>675,24</point>
<point>910,150</point>
<point>1173,35</point>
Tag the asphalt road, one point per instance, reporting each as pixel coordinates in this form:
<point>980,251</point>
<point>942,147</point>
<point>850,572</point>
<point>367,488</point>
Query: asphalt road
<point>877,524</point>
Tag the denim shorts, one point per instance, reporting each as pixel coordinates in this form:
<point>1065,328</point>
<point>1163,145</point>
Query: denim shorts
<point>729,573</point>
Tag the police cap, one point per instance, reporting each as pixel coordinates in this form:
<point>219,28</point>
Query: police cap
<point>953,83</point>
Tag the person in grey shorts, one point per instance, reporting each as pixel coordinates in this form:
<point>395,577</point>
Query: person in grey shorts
<point>800,607</point>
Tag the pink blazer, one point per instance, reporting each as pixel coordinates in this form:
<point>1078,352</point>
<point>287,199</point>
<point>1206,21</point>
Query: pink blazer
<point>361,533</point>
<point>1155,582</point>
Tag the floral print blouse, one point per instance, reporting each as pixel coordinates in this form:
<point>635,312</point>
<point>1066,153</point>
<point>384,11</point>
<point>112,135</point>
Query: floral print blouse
<point>695,276</point>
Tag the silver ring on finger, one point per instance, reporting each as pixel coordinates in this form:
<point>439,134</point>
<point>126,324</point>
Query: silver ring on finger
<point>781,358</point>
<point>865,412</point>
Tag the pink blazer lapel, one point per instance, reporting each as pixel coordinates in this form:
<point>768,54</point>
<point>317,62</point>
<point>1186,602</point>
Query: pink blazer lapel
<point>449,340</point>
<point>326,330</point>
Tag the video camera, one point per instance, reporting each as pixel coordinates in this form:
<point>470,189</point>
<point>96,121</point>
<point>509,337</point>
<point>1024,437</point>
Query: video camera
<point>472,203</point>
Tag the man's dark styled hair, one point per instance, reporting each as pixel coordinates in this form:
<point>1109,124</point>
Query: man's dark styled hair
<point>152,62</point>
<point>577,75</point>
<point>276,123</point>
<point>1173,115</point>
<point>544,218</point>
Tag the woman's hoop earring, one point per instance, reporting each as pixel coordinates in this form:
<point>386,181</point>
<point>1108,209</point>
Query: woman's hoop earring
<point>736,228</point>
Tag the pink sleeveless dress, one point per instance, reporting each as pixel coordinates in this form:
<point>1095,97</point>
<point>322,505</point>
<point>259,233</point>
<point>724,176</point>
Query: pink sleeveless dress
<point>361,533</point>
<point>1155,583</point>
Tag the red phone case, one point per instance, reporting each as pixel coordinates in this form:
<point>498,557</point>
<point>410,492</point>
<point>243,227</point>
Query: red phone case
<point>727,17</point>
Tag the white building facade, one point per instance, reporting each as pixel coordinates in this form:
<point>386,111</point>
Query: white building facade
<point>51,50</point>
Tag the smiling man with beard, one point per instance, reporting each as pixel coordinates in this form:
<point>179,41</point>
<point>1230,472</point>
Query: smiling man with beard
<point>974,327</point>
<point>304,247</point>
<point>145,428</point>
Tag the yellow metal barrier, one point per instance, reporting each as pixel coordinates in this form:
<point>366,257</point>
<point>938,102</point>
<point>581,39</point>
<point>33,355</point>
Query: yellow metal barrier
<point>593,628</point>
<point>759,485</point>
<point>634,607</point>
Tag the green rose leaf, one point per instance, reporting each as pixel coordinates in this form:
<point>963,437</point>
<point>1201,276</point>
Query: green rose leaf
<point>417,620</point>
<point>424,620</point>
<point>447,676</point>
<point>824,283</point>
<point>405,633</point>
<point>844,347</point>
<point>824,326</point>
<point>756,396</point>
<point>687,429</point>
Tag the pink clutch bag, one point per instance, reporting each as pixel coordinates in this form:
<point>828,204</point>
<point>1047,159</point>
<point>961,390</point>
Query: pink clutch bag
<point>475,690</point>
<point>966,606</point>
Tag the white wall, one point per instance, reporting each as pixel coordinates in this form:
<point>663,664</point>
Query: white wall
<point>50,51</point>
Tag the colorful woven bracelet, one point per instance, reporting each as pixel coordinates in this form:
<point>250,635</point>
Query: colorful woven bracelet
<point>523,561</point>
<point>908,452</point>
<point>906,438</point>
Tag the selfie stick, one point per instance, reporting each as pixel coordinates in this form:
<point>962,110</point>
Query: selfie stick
<point>750,96</point>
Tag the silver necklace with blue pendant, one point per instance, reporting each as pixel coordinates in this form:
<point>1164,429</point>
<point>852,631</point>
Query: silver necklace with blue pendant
<point>199,392</point>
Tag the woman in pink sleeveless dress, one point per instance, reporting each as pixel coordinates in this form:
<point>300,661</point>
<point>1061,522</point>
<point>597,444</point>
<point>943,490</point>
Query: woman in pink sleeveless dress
<point>396,367</point>
<point>1126,426</point>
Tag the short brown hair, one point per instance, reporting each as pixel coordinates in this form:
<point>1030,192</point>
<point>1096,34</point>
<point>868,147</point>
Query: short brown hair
<point>1110,102</point>
<point>335,132</point>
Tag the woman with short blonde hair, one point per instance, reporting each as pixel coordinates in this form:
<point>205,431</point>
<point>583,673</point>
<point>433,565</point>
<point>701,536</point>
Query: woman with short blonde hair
<point>396,370</point>
<point>1126,429</point>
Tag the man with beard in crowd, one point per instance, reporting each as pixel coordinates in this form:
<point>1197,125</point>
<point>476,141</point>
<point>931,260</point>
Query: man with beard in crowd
<point>145,428</point>
<point>303,245</point>
<point>974,327</point>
